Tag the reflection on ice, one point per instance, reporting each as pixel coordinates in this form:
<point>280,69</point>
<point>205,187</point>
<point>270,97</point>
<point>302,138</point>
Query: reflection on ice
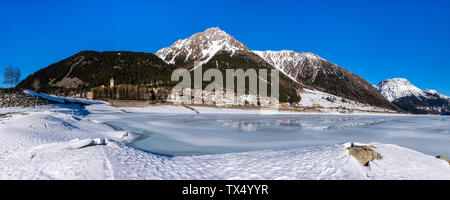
<point>240,124</point>
<point>255,125</point>
<point>215,133</point>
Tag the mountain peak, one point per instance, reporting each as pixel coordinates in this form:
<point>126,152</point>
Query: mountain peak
<point>408,97</point>
<point>214,30</point>
<point>201,46</point>
<point>398,80</point>
<point>396,88</point>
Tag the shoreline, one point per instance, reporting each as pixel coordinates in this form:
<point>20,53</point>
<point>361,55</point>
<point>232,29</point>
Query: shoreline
<point>282,110</point>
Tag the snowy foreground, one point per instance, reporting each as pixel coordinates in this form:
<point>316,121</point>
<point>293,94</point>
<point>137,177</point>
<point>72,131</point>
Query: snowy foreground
<point>64,142</point>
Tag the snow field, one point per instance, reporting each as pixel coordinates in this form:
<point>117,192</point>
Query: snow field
<point>54,144</point>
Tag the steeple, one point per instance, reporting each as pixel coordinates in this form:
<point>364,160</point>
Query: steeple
<point>111,83</point>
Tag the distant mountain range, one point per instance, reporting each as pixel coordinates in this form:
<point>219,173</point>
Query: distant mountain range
<point>216,49</point>
<point>412,99</point>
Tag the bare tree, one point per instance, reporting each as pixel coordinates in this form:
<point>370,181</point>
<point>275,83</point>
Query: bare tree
<point>8,76</point>
<point>36,85</point>
<point>11,76</point>
<point>16,76</point>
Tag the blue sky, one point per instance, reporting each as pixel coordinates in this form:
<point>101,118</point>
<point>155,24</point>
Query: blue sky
<point>374,39</point>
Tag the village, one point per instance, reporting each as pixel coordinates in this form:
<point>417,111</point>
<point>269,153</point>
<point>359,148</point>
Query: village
<point>228,98</point>
<point>157,93</point>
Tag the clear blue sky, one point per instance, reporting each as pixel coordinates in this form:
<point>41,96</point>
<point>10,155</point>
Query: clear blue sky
<point>376,39</point>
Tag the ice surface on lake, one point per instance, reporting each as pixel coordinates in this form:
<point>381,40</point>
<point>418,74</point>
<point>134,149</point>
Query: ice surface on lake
<point>187,134</point>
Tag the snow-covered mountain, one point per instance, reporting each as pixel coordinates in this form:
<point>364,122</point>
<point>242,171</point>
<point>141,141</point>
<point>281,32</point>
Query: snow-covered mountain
<point>314,71</point>
<point>221,50</point>
<point>201,46</point>
<point>435,93</point>
<point>410,98</point>
<point>289,62</point>
<point>397,88</point>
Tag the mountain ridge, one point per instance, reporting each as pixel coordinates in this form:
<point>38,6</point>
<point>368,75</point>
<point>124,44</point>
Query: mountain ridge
<point>318,73</point>
<point>88,69</point>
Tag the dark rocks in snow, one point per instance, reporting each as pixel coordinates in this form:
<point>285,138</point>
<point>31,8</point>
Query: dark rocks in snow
<point>443,158</point>
<point>16,98</point>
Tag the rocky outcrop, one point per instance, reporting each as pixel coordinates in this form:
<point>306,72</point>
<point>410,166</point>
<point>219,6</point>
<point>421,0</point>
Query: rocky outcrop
<point>364,154</point>
<point>443,158</point>
<point>16,98</point>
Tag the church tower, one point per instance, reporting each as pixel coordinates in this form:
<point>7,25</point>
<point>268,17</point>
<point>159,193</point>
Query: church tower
<point>111,83</point>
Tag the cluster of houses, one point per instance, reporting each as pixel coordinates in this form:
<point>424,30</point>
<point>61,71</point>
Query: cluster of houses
<point>228,98</point>
<point>195,96</point>
<point>86,95</point>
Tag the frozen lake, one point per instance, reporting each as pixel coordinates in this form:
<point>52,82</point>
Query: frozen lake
<point>188,134</point>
